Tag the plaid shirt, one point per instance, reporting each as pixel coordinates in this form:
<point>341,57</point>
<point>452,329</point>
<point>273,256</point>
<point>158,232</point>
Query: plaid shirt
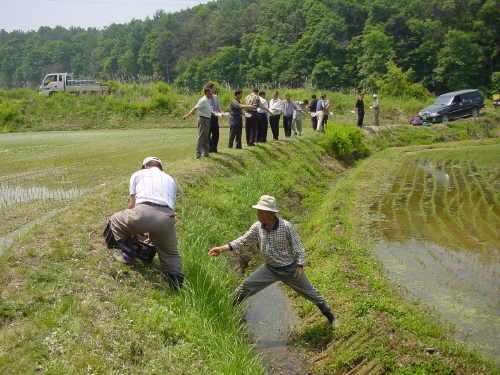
<point>279,247</point>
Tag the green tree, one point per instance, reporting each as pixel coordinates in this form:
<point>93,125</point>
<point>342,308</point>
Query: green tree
<point>460,62</point>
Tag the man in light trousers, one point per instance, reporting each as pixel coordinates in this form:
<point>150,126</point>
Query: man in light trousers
<point>283,253</point>
<point>150,210</point>
<point>204,107</point>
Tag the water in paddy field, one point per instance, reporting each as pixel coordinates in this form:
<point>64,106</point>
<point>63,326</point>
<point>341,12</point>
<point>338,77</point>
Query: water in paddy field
<point>269,318</point>
<point>439,238</point>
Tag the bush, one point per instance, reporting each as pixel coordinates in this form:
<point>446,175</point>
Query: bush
<point>10,116</point>
<point>345,143</point>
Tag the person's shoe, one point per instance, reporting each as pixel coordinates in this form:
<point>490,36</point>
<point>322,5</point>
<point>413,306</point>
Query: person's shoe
<point>197,157</point>
<point>121,257</point>
<point>325,310</point>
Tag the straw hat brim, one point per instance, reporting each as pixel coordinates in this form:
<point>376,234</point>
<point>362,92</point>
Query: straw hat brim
<point>264,208</point>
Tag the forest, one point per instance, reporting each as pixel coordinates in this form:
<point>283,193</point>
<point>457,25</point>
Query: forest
<point>325,44</point>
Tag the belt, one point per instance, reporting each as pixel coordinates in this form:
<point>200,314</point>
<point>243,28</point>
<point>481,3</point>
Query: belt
<point>173,214</point>
<point>208,118</point>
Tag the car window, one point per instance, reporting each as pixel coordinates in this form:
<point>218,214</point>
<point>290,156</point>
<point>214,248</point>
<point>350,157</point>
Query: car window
<point>443,100</point>
<point>457,99</point>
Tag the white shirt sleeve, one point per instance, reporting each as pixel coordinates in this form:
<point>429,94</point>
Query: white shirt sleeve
<point>133,184</point>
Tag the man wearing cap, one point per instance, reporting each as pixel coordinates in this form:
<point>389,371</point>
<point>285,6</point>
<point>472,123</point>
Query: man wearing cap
<point>283,253</point>
<point>150,210</point>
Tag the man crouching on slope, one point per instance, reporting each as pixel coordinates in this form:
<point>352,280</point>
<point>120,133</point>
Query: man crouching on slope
<point>151,210</point>
<point>283,253</point>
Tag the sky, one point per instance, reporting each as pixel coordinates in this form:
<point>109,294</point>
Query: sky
<point>31,14</point>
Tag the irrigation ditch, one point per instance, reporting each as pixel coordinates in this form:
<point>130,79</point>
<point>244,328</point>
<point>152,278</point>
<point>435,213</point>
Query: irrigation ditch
<point>67,306</point>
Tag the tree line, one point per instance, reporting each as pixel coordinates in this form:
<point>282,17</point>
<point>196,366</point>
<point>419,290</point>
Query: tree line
<point>327,44</point>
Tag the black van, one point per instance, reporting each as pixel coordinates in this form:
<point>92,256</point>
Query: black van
<point>454,105</point>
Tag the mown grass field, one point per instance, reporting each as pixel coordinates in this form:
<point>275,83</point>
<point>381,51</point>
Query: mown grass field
<point>67,308</point>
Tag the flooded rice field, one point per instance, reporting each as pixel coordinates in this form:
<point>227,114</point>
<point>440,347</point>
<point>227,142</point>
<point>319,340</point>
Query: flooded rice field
<point>438,222</point>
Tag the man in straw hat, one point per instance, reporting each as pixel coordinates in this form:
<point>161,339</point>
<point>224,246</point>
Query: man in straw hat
<point>150,210</point>
<point>283,253</point>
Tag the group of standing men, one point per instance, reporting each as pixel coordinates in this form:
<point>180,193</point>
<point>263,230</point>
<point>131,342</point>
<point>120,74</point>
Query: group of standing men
<point>260,114</point>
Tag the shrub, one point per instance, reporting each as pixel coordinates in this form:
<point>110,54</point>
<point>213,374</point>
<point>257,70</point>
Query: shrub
<point>345,143</point>
<point>10,116</point>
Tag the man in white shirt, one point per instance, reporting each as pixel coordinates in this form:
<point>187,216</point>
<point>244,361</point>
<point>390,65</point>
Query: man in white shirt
<point>276,108</point>
<point>204,107</point>
<point>151,210</point>
<point>262,123</point>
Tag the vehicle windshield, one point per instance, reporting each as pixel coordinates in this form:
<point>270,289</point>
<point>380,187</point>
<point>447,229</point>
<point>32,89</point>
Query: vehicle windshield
<point>48,79</point>
<point>444,100</point>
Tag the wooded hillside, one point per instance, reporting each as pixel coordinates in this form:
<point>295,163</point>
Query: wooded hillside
<point>449,45</point>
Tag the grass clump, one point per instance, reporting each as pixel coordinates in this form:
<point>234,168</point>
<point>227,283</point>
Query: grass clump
<point>345,143</point>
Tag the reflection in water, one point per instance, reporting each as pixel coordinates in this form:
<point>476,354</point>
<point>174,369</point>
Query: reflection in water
<point>269,319</point>
<point>11,195</point>
<point>440,240</point>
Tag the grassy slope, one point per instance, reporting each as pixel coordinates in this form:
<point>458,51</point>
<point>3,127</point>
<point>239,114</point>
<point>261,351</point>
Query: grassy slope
<point>380,329</point>
<point>67,307</point>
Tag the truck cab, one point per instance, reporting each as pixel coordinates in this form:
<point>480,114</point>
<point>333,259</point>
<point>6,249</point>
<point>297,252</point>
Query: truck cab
<point>53,82</point>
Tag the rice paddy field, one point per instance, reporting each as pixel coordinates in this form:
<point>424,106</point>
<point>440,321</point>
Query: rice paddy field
<point>437,219</point>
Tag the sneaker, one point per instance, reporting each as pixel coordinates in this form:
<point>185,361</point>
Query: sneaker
<point>121,257</point>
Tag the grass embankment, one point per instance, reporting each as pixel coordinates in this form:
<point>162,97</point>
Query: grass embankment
<point>381,331</point>
<point>67,308</point>
<point>156,105</point>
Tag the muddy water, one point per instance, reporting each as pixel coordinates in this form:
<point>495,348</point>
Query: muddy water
<point>269,318</point>
<point>439,238</point>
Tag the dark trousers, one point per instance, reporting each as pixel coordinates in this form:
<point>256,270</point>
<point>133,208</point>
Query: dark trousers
<point>287,125</point>
<point>235,130</point>
<point>262,126</point>
<point>274,120</point>
<point>314,122</point>
<point>361,116</point>
<point>214,133</point>
<point>251,129</point>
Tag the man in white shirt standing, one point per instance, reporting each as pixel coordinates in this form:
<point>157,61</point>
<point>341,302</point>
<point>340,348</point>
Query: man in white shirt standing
<point>204,107</point>
<point>276,108</point>
<point>151,210</point>
<point>262,123</point>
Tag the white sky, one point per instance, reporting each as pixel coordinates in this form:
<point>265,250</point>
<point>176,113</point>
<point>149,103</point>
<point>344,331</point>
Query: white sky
<point>31,14</point>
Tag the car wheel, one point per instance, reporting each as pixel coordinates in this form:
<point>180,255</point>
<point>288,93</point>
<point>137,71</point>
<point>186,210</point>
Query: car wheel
<point>445,118</point>
<point>475,112</point>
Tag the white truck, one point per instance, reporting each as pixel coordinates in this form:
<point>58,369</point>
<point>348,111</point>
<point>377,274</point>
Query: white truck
<point>65,82</point>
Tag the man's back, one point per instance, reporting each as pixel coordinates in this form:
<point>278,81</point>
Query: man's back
<point>153,185</point>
